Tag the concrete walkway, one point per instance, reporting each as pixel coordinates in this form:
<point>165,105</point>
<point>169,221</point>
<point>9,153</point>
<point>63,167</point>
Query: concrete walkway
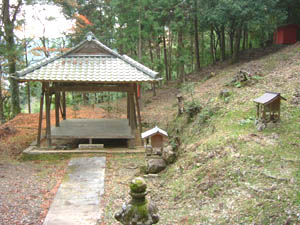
<point>78,198</point>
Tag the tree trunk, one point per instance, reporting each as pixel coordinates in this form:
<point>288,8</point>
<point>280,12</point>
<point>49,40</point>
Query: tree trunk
<point>192,52</point>
<point>235,55</point>
<point>28,83</point>
<point>9,17</point>
<point>85,99</point>
<point>151,53</point>
<point>14,88</point>
<point>222,43</point>
<point>196,39</point>
<point>212,44</point>
<point>165,58</point>
<point>231,38</point>
<point>1,99</point>
<point>245,37</point>
<point>180,48</point>
<point>140,33</point>
<point>202,43</point>
<point>158,50</point>
<point>157,47</point>
<point>170,54</point>
<point>140,40</point>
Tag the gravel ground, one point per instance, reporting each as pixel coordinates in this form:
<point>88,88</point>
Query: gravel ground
<point>27,189</point>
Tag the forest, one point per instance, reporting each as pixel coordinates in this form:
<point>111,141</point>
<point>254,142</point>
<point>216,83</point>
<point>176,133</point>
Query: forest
<point>172,37</point>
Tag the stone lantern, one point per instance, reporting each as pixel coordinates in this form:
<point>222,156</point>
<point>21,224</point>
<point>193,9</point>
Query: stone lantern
<point>138,211</point>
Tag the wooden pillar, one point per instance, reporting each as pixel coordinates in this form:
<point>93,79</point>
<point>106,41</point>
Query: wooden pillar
<point>28,97</point>
<point>139,115</point>
<point>132,111</point>
<point>48,121</point>
<point>57,105</point>
<point>64,106</point>
<point>128,107</point>
<point>38,141</point>
<point>131,142</point>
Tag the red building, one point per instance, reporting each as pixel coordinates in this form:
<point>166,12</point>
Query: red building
<point>286,34</point>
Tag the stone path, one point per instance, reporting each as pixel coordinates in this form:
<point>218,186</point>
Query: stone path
<point>78,198</point>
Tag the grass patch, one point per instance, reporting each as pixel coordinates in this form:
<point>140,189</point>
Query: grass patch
<point>45,157</point>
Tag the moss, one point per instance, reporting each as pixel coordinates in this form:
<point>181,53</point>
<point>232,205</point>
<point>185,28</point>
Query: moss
<point>142,210</point>
<point>137,211</point>
<point>138,185</point>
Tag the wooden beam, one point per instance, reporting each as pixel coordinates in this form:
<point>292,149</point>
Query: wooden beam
<point>91,88</point>
<point>38,141</point>
<point>57,104</point>
<point>139,115</point>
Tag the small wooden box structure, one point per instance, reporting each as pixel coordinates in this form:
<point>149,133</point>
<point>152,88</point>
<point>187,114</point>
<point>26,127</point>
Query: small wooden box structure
<point>156,135</point>
<point>268,106</point>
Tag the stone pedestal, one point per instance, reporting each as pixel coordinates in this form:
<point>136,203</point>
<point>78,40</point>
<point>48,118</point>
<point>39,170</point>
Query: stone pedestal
<point>138,211</point>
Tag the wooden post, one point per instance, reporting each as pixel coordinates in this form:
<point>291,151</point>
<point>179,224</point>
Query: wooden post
<point>64,106</point>
<point>132,111</point>
<point>128,108</point>
<point>38,141</point>
<point>258,111</point>
<point>57,104</point>
<point>131,142</point>
<point>279,110</point>
<point>48,121</point>
<point>28,97</point>
<point>139,115</point>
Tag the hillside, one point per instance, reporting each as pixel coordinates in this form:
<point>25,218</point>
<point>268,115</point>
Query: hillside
<point>227,171</point>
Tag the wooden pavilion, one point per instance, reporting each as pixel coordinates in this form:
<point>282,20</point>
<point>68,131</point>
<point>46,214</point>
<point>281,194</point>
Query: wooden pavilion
<point>89,67</point>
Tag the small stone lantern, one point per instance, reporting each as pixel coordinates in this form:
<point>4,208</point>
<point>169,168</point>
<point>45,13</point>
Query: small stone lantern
<point>138,211</point>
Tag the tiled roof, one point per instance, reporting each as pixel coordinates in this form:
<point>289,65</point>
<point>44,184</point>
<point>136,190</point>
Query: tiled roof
<point>102,65</point>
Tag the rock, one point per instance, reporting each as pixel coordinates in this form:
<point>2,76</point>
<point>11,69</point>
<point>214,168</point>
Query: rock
<point>156,165</point>
<point>148,150</point>
<point>168,148</point>
<point>168,154</point>
<point>261,126</point>
<point>157,151</point>
<point>274,136</point>
<point>224,93</point>
<point>271,125</point>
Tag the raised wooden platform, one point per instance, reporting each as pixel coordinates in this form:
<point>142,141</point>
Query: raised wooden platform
<point>92,129</point>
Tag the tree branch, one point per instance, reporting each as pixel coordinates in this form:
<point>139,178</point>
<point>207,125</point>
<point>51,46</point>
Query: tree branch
<point>17,8</point>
